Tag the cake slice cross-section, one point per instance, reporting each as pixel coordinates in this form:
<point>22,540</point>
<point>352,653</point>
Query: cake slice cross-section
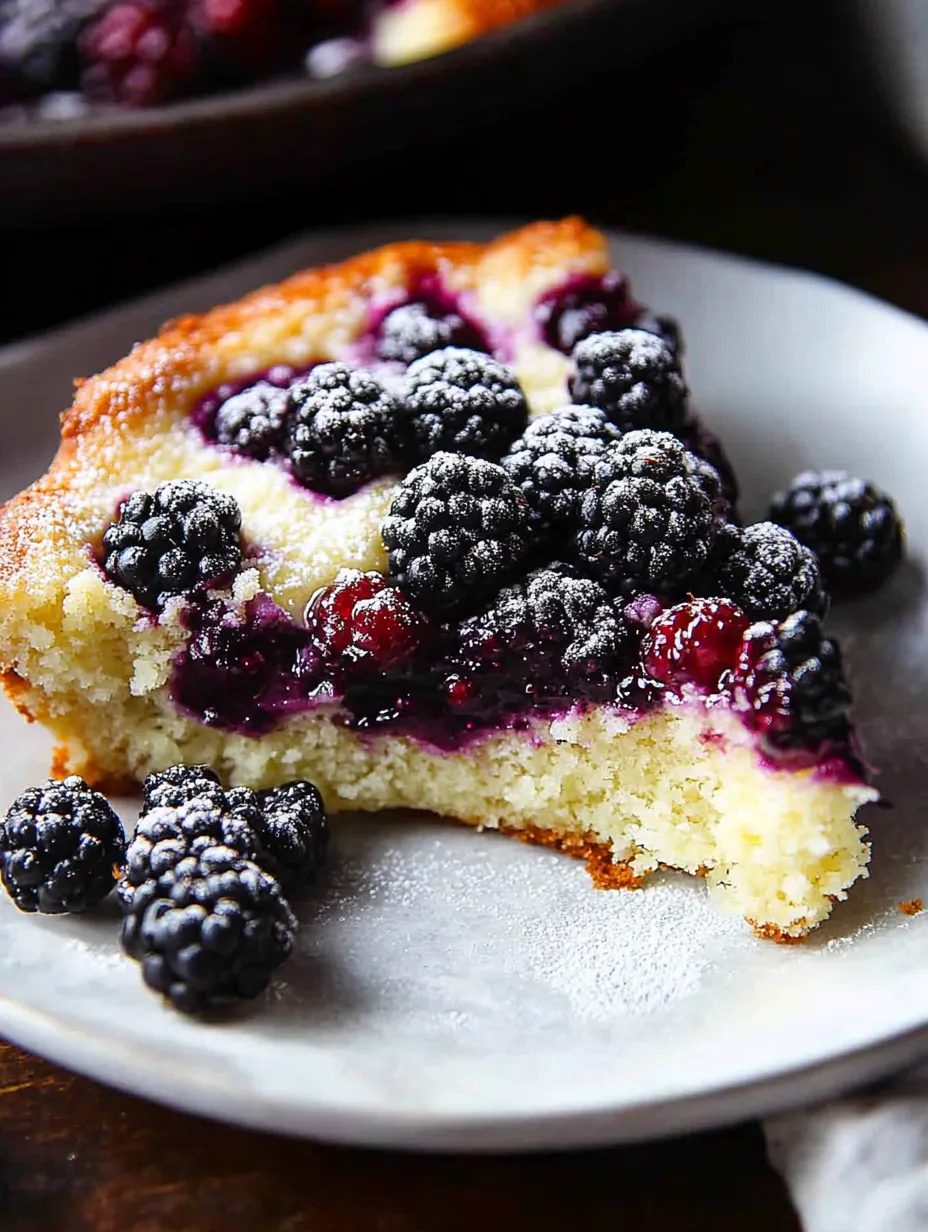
<point>438,529</point>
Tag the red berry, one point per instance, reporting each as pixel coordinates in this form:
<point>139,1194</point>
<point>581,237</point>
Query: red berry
<point>140,52</point>
<point>694,643</point>
<point>360,622</point>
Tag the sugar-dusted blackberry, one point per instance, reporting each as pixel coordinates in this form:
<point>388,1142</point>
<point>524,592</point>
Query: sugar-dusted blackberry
<point>185,535</point>
<point>61,847</point>
<point>177,784</point>
<point>344,429</point>
<point>295,835</point>
<point>417,329</point>
<point>548,636</point>
<point>694,643</point>
<point>209,927</point>
<point>788,682</point>
<point>552,460</point>
<point>166,834</point>
<point>851,525</point>
<point>647,523</point>
<point>458,529</point>
<point>767,572</point>
<point>253,422</point>
<point>633,376</point>
<point>463,402</point>
<point>362,624</point>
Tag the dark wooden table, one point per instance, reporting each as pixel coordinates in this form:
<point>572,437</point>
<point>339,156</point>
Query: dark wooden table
<point>764,137</point>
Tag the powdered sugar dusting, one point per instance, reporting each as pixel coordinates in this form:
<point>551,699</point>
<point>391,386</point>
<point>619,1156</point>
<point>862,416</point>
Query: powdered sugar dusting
<point>488,936</point>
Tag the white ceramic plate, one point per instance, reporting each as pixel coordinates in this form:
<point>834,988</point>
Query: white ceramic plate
<point>459,990</point>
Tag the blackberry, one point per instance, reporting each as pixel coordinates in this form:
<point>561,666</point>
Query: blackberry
<point>284,830</point>
<point>851,526</point>
<point>344,429</point>
<point>633,376</point>
<point>361,624</point>
<point>295,835</point>
<point>463,402</point>
<point>588,306</point>
<point>458,528</point>
<point>174,786</point>
<point>694,643</point>
<point>252,422</point>
<point>548,636</point>
<point>767,572</point>
<point>142,52</point>
<point>647,524</point>
<point>667,328</point>
<point>61,847</point>
<point>186,535</point>
<point>414,330</point>
<point>552,460</point>
<point>168,834</point>
<point>208,927</point>
<point>789,684</point>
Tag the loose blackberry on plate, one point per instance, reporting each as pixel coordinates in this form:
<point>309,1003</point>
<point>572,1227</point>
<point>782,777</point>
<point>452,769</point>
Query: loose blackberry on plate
<point>296,834</point>
<point>185,535</point>
<point>646,523</point>
<point>344,429</point>
<point>208,927</point>
<point>552,460</point>
<point>767,572</point>
<point>463,402</point>
<point>458,528</point>
<point>61,847</point>
<point>634,377</point>
<point>852,526</point>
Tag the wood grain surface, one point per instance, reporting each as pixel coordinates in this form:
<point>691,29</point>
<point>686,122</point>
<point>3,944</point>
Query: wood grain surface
<point>76,1157</point>
<point>762,136</point>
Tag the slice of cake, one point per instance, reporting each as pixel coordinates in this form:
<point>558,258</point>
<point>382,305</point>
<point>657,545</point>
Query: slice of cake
<point>436,528</point>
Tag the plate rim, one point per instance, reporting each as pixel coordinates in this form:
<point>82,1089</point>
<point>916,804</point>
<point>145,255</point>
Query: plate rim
<point>116,1063</point>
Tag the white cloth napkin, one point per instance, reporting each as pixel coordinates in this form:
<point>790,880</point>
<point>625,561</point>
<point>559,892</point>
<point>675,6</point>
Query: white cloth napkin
<point>858,1164</point>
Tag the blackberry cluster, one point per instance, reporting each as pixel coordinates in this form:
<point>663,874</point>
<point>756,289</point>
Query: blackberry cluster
<point>253,422</point>
<point>545,637</point>
<point>552,460</point>
<point>205,876</point>
<point>458,529</point>
<point>186,535</point>
<point>634,377</point>
<point>38,41</point>
<point>463,402</point>
<point>61,848</point>
<point>789,682</point>
<point>851,526</point>
<point>767,572</point>
<point>648,523</point>
<point>414,330</point>
<point>344,429</point>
